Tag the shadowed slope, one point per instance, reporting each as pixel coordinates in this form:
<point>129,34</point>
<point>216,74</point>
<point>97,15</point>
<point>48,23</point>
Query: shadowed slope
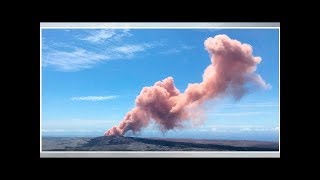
<point>121,143</point>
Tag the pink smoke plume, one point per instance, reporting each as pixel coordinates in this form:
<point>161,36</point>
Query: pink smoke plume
<point>232,67</point>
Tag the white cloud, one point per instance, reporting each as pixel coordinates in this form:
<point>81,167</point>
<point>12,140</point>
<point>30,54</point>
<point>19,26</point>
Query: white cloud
<point>233,126</point>
<point>104,45</point>
<point>259,129</point>
<point>212,129</point>
<point>130,49</point>
<point>97,46</point>
<point>171,51</point>
<point>236,128</point>
<point>249,105</point>
<point>187,47</point>
<point>70,130</point>
<point>72,61</point>
<point>235,114</point>
<point>99,36</point>
<point>177,49</point>
<point>53,130</point>
<point>79,59</point>
<point>93,98</point>
<point>245,129</point>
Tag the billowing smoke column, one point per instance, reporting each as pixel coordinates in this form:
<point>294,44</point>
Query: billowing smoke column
<point>232,67</point>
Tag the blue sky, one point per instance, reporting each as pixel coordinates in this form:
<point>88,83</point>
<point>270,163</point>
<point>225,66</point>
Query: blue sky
<point>90,78</point>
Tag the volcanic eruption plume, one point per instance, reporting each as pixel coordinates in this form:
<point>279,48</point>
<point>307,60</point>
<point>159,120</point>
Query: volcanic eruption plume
<point>232,67</point>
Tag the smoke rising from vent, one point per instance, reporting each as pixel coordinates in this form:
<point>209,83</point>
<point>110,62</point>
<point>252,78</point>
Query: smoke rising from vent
<point>232,67</point>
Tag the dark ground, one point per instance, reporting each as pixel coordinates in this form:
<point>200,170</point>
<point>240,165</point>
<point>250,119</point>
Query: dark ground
<point>120,143</point>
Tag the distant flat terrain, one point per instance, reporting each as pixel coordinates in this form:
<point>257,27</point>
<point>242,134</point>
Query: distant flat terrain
<point>121,143</point>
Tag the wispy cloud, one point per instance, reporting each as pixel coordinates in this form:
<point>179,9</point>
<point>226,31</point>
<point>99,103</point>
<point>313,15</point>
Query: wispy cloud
<point>93,98</point>
<point>73,60</point>
<point>235,114</point>
<point>99,36</point>
<point>53,130</point>
<point>70,130</point>
<point>249,105</point>
<point>79,59</point>
<point>171,51</point>
<point>100,46</point>
<point>186,47</point>
<point>133,48</point>
<point>236,128</point>
<point>177,49</point>
<point>260,129</point>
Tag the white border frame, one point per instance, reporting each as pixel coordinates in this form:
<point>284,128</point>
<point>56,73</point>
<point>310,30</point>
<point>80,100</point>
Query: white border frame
<point>159,154</point>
